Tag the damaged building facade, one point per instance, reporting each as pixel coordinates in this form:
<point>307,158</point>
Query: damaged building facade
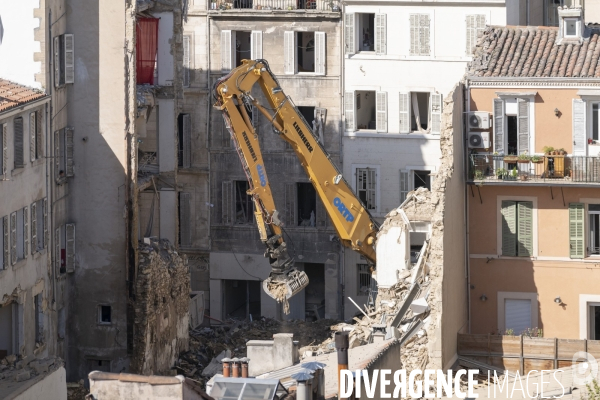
<point>301,42</point>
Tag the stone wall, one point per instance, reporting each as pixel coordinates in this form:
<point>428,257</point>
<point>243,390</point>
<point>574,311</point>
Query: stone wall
<point>161,303</point>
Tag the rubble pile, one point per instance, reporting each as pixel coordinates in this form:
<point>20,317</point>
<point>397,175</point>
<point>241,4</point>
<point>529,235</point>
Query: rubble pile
<point>76,390</point>
<point>13,369</point>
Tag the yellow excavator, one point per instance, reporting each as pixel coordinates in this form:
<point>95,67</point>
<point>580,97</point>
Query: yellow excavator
<point>353,223</point>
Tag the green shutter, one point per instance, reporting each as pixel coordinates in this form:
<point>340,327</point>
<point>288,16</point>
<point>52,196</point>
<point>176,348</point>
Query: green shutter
<point>525,228</point>
<point>576,212</point>
<point>509,228</point>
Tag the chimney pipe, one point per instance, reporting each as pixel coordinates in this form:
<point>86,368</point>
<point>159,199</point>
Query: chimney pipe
<point>244,362</point>
<point>341,344</point>
<point>303,391</point>
<point>226,367</point>
<point>235,367</point>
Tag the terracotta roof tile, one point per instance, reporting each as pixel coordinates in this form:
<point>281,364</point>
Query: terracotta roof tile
<point>13,94</point>
<point>531,51</point>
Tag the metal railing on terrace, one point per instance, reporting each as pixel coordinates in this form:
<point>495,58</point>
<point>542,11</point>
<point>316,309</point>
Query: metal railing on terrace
<point>547,168</point>
<point>282,5</point>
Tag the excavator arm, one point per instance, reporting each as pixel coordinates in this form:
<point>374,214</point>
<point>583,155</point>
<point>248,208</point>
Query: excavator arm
<point>352,221</point>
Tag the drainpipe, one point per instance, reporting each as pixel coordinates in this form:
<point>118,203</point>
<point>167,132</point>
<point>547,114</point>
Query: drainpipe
<point>49,130</point>
<point>303,391</point>
<point>208,102</point>
<point>226,367</point>
<point>341,345</point>
<point>467,107</point>
<point>341,130</point>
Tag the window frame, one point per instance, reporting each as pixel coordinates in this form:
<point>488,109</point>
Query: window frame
<point>565,27</point>
<point>100,322</point>
<point>587,223</point>
<point>355,168</point>
<point>501,310</point>
<point>534,223</point>
<point>431,28</point>
<point>358,278</point>
<point>235,203</point>
<point>585,300</point>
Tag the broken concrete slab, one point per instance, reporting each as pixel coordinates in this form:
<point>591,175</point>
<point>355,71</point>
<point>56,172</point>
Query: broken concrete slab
<point>216,365</point>
<point>419,306</point>
<point>22,376</point>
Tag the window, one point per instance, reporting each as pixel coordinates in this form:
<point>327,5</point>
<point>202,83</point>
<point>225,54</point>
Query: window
<point>239,45</point>
<point>184,154</point>
<point>304,52</point>
<point>4,153</point>
<point>420,112</point>
<point>594,321</point>
<point>104,315</point>
<point>595,119</point>
<point>517,228</point>
<point>186,60</point>
<point>35,135</point>
<point>309,115</point>
<point>421,179</point>
<point>517,314</point>
<point>64,242</point>
<point>512,126</point>
<point>418,236</point>
<point>39,230</point>
<point>63,154</point>
<point>10,328</point>
<point>19,237</point>
<point>594,226</point>
<point>39,318</point>
<point>364,279</point>
<point>365,32</point>
<point>366,110</point>
<point>4,243</point>
<point>146,48</point>
<point>366,187</point>
<point>64,59</point>
<point>18,143</point>
<point>185,219</point>
<point>475,25</point>
<point>244,206</point>
<point>307,204</point>
<point>570,26</point>
<point>419,35</point>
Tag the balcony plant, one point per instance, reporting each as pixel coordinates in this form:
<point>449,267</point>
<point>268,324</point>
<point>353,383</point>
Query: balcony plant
<point>500,173</point>
<point>479,176</point>
<point>523,158</point>
<point>510,159</point>
<point>537,159</point>
<point>562,152</point>
<point>548,150</point>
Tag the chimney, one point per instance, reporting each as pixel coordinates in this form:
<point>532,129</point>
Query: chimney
<point>303,391</point>
<point>226,367</point>
<point>571,25</point>
<point>317,370</point>
<point>341,345</point>
<point>235,367</point>
<point>244,361</point>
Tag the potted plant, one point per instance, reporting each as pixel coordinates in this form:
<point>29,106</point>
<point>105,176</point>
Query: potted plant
<point>479,175</point>
<point>523,177</point>
<point>562,151</point>
<point>500,173</point>
<point>548,150</point>
<point>537,159</point>
<point>523,158</point>
<point>510,159</point>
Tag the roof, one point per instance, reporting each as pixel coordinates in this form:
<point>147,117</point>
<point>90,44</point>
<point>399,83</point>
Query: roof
<point>529,51</point>
<point>13,94</point>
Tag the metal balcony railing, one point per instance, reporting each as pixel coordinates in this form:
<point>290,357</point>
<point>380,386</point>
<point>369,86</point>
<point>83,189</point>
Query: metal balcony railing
<point>576,169</point>
<point>282,5</point>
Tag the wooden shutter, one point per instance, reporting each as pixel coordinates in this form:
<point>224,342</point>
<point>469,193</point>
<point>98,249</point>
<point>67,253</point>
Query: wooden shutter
<point>436,113</point>
<point>39,144</point>
<point>186,61</point>
<point>227,202</point>
<point>57,69</point>
<point>499,126</point>
<point>290,204</point>
<point>403,186</point>
<point>32,135</point>
<point>349,36</point>
<point>320,53</point>
<point>227,51</point>
<point>69,44</point>
<point>404,112</point>
<point>256,50</point>
<point>25,231</point>
<point>509,228</point>
<point>289,52</point>
<point>45,222</point>
<point>70,246</point>
<point>69,148</point>
<point>57,248</point>
<point>380,34</point>
<point>475,24</point>
<point>187,141</point>
<point>13,238</point>
<point>523,125</point>
<point>34,232</point>
<point>525,229</point>
<point>6,243</point>
<point>185,219</point>
<point>579,142</point>
<point>4,149</point>
<point>18,138</point>
<point>576,230</point>
<point>349,111</point>
<point>381,110</point>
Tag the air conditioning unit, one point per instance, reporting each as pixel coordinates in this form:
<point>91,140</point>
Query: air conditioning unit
<point>479,140</point>
<point>479,120</point>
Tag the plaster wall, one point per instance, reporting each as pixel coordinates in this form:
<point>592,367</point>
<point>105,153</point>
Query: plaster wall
<point>52,386</point>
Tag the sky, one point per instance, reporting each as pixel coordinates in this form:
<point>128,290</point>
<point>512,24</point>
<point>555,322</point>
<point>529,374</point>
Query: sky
<point>18,46</point>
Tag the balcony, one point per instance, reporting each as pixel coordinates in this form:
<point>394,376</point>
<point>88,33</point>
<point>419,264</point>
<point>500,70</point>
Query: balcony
<point>277,5</point>
<point>546,169</point>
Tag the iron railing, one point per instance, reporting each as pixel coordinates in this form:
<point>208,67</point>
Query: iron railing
<point>577,169</point>
<point>282,5</point>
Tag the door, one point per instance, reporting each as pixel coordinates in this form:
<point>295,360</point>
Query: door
<point>594,321</point>
<point>517,315</point>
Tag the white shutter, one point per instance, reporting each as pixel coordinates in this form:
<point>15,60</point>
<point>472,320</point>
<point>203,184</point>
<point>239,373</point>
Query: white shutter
<point>404,112</point>
<point>227,51</point>
<point>320,53</point>
<point>289,53</point>
<point>45,209</point>
<point>186,61</point>
<point>25,231</point>
<point>185,219</point>
<point>227,202</point>
<point>579,142</point>
<point>380,34</point>
<point>32,135</point>
<point>57,61</point>
<point>187,141</point>
<point>474,24</point>
<point>4,149</point>
<point>381,110</point>
<point>436,113</point>
<point>6,243</point>
<point>69,152</point>
<point>57,250</point>
<point>403,185</point>
<point>523,125</point>
<point>499,126</point>
<point>349,111</point>
<point>349,36</point>
<point>419,35</point>
<point>517,315</point>
<point>33,227</point>
<point>256,51</point>
<point>13,238</point>
<point>69,44</point>
<point>70,235</point>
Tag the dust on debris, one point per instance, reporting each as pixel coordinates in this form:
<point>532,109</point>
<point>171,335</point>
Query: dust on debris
<point>278,291</point>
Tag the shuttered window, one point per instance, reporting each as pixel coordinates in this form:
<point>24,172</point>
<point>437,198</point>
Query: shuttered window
<point>185,219</point>
<point>69,148</point>
<point>227,202</point>
<point>64,59</point>
<point>256,47</point>
<point>4,154</point>
<point>3,257</point>
<point>32,136</point>
<point>5,242</point>
<point>499,126</point>
<point>184,156</point>
<point>320,53</point>
<point>404,112</point>
<point>381,110</point>
<point>349,111</point>
<point>576,230</point>
<point>517,228</point>
<point>349,35</point>
<point>227,51</point>
<point>436,113</point>
<point>380,34</point>
<point>69,49</point>
<point>45,222</point>
<point>475,25</point>
<point>34,228</point>
<point>523,125</point>
<point>517,315</point>
<point>289,52</point>
<point>70,247</point>
<point>64,165</point>
<point>420,41</point>
<point>13,238</point>
<point>186,60</point>
<point>579,136</point>
<point>366,187</point>
<point>403,186</point>
<point>18,143</point>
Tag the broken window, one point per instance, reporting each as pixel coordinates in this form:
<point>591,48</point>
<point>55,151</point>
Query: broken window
<point>422,179</point>
<point>244,206</point>
<point>308,113</point>
<point>184,154</point>
<point>420,111</point>
<point>146,47</point>
<point>517,228</point>
<point>18,143</point>
<point>241,298</point>
<point>63,154</point>
<point>64,59</point>
<point>366,187</point>
<point>39,318</point>
<point>307,204</point>
<point>364,279</point>
<point>365,110</point>
<point>104,314</point>
<point>594,216</point>
<point>10,328</point>
<point>417,240</point>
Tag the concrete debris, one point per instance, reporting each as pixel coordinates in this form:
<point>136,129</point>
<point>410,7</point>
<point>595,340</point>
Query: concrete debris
<point>279,292</point>
<point>215,366</point>
<point>76,391</point>
<point>15,370</point>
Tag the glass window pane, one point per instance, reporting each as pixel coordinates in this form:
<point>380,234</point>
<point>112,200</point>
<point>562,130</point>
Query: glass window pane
<point>593,207</point>
<point>571,27</point>
<point>595,109</point>
<point>224,391</point>
<point>255,391</point>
